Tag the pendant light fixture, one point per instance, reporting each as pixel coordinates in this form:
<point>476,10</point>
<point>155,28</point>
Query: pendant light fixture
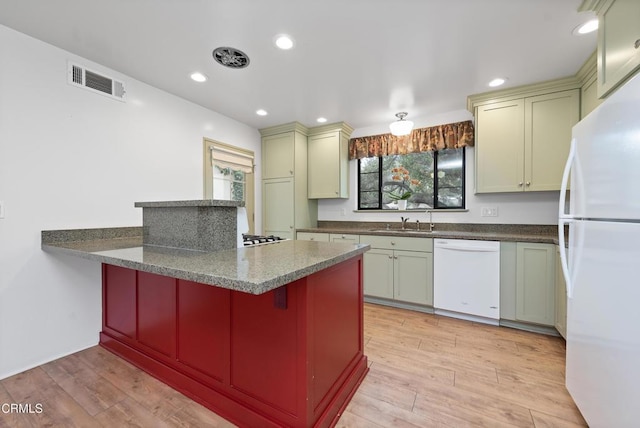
<point>401,126</point>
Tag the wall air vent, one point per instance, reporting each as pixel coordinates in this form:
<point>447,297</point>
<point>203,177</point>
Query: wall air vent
<point>82,77</point>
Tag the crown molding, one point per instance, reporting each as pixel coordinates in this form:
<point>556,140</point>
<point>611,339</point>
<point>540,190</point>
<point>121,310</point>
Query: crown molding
<point>591,5</point>
<point>281,129</point>
<point>534,89</point>
<point>338,126</point>
<point>589,69</point>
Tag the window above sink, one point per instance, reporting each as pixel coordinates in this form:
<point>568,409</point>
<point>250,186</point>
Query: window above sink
<point>425,180</point>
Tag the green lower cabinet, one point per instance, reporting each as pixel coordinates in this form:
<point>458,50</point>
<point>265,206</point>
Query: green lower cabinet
<point>378,273</point>
<point>399,269</point>
<point>561,298</point>
<point>412,277</point>
<point>528,285</point>
<point>535,283</point>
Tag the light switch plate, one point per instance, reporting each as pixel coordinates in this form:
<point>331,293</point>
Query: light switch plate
<point>489,212</point>
<point>1,209</point>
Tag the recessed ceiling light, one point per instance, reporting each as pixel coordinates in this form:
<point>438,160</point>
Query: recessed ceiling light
<point>198,77</point>
<point>321,119</point>
<point>498,81</point>
<point>588,27</point>
<point>261,112</point>
<point>283,41</point>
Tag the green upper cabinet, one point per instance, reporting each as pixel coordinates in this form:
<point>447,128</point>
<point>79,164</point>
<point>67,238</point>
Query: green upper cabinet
<point>328,163</point>
<point>523,136</point>
<point>284,151</point>
<point>548,122</point>
<point>618,42</point>
<point>500,146</point>
<point>286,206</point>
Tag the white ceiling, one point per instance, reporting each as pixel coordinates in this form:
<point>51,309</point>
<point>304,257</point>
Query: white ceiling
<point>358,61</point>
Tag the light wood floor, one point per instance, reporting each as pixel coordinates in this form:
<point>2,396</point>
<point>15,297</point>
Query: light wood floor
<point>425,371</point>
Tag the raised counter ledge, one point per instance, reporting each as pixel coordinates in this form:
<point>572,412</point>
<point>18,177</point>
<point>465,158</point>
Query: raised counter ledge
<point>254,270</point>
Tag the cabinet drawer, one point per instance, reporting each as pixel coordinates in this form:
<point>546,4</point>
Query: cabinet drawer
<point>312,236</point>
<point>344,237</point>
<point>398,242</point>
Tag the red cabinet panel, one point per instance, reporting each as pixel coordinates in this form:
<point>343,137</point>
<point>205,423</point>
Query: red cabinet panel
<point>264,348</point>
<point>203,328</point>
<point>336,326</point>
<point>119,297</point>
<point>157,312</point>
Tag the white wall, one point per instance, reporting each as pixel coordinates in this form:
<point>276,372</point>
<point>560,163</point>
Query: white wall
<point>70,158</point>
<point>513,208</point>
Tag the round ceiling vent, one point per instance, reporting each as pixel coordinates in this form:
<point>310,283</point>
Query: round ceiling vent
<point>231,57</point>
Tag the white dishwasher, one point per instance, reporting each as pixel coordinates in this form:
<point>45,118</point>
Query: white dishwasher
<point>466,279</point>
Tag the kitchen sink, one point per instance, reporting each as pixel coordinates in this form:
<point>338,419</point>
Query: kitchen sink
<point>401,231</point>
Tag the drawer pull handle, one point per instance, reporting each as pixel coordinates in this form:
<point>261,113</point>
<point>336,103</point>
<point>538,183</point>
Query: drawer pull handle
<point>520,184</point>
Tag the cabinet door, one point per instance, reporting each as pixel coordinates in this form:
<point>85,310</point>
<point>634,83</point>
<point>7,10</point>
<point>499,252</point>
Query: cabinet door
<point>561,298</point>
<point>324,172</point>
<point>278,155</point>
<point>340,237</point>
<point>120,300</point>
<point>618,43</point>
<point>413,277</point>
<point>157,313</point>
<point>278,207</point>
<point>500,147</point>
<point>203,329</point>
<point>548,122</point>
<point>311,236</point>
<point>535,283</point>
<point>378,273</point>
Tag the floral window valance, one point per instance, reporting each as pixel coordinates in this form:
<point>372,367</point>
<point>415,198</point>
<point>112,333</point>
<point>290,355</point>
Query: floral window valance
<point>449,136</point>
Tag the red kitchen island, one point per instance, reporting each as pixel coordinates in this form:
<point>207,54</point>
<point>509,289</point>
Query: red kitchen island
<point>264,336</point>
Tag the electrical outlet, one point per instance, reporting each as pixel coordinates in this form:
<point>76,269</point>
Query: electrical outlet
<point>343,212</point>
<point>489,212</point>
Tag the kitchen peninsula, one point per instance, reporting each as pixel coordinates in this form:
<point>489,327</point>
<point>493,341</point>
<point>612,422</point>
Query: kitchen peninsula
<point>270,335</point>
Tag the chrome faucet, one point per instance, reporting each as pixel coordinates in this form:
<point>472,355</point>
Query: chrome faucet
<point>404,221</point>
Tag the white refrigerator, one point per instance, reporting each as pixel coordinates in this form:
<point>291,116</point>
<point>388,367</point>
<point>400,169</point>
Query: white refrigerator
<point>602,270</point>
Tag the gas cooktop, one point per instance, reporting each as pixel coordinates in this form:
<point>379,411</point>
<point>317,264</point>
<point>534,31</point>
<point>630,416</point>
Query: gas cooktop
<point>250,240</point>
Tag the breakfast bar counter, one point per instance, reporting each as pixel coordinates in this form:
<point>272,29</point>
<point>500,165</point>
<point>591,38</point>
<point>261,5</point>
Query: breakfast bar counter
<point>270,335</point>
<point>253,270</point>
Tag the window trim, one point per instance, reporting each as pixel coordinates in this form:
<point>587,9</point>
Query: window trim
<point>207,176</point>
<point>435,187</point>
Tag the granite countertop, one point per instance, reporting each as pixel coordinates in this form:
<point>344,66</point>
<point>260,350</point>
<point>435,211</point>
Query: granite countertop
<point>513,233</point>
<point>189,203</point>
<point>254,270</point>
